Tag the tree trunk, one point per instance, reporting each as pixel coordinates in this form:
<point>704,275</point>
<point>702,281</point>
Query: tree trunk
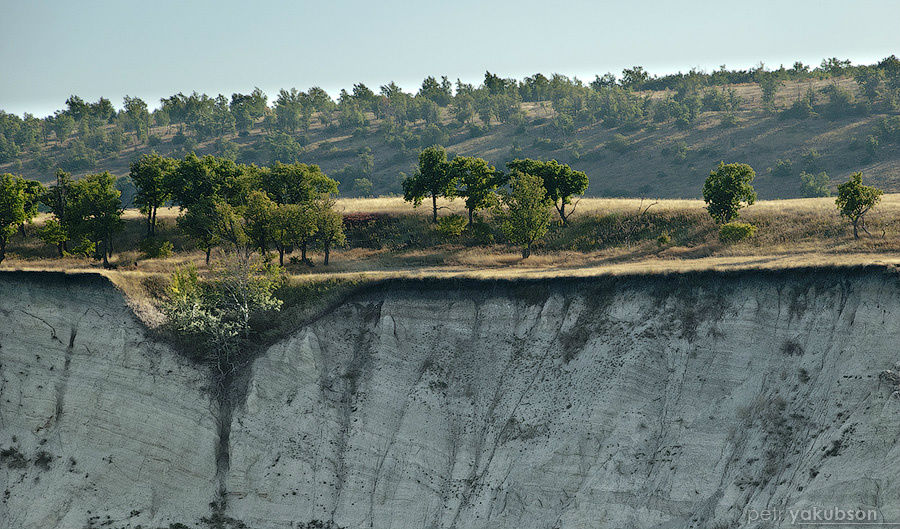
<point>327,252</point>
<point>855,229</point>
<point>434,207</point>
<point>562,214</point>
<point>149,223</point>
<point>526,251</point>
<point>60,248</point>
<point>153,224</point>
<point>471,215</point>
<point>2,248</point>
<point>862,225</point>
<point>208,251</point>
<point>106,252</point>
<point>22,231</point>
<point>281,256</point>
<point>303,252</point>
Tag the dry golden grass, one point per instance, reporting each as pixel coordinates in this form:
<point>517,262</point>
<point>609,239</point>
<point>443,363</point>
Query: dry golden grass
<point>792,233</point>
<point>890,204</point>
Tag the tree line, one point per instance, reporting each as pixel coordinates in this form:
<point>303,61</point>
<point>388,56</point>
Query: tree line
<point>291,206</point>
<point>244,207</point>
<point>523,208</point>
<point>281,208</point>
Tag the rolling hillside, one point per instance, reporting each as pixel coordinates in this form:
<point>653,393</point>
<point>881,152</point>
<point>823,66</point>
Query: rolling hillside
<point>654,159</point>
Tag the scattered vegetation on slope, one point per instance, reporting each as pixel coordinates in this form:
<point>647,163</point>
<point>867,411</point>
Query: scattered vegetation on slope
<point>633,134</point>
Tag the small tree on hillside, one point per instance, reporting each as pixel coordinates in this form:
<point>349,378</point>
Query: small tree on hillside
<point>561,182</point>
<point>854,200</point>
<point>527,215</point>
<point>432,178</point>
<point>768,85</point>
<point>63,125</point>
<point>727,190</point>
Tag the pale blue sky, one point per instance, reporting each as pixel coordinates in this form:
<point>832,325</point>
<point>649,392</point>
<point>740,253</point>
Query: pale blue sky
<point>51,48</point>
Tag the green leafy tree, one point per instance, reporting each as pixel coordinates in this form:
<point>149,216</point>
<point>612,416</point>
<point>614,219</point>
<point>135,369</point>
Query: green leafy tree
<point>201,221</point>
<point>526,216</point>
<point>94,206</point>
<point>432,178</point>
<point>259,221</point>
<point>34,192</point>
<point>152,175</point>
<point>727,189</point>
<point>634,77</point>
<point>362,187</point>
<point>161,118</point>
<point>55,234</point>
<point>815,185</point>
<point>854,200</point>
<point>12,208</point>
<point>137,116</point>
<point>56,199</point>
<point>329,226</point>
<point>296,183</point>
<point>561,182</point>
<point>768,85</point>
<point>289,110</point>
<point>291,225</point>
<point>477,183</point>
<point>870,81</point>
<point>196,178</point>
<point>63,125</point>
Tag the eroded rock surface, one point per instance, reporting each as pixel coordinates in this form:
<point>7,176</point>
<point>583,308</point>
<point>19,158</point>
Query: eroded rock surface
<point>660,402</point>
<point>97,422</point>
<point>680,401</point>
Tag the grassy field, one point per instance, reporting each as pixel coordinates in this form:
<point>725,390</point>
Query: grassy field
<point>605,236</point>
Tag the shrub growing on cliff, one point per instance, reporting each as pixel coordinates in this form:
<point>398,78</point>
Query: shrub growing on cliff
<point>854,200</point>
<point>727,190</point>
<point>217,317</point>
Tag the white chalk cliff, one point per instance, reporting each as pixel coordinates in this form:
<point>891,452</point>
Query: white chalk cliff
<point>650,402</point>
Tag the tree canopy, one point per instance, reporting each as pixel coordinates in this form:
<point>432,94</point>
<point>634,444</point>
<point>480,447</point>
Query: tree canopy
<point>854,200</point>
<point>477,182</point>
<point>561,182</point>
<point>525,216</point>
<point>727,189</point>
<point>432,178</point>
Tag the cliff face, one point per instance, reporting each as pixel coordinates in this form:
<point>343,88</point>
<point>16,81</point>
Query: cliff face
<point>97,422</point>
<point>684,401</point>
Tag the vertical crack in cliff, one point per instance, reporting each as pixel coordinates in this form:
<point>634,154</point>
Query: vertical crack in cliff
<point>63,383</point>
<point>224,411</point>
<point>356,369</point>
